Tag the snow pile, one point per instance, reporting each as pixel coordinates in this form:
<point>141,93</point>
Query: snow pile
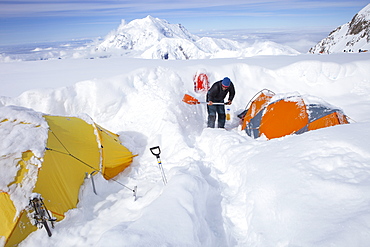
<point>353,36</point>
<point>21,130</point>
<point>224,188</point>
<point>26,124</point>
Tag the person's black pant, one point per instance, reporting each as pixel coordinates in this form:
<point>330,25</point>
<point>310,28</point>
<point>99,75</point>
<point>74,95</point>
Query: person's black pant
<point>214,110</point>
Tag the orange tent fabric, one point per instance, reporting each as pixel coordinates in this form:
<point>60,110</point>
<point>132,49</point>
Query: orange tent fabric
<point>256,106</point>
<point>329,120</point>
<point>275,116</point>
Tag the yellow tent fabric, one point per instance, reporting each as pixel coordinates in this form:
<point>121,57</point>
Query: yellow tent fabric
<point>116,156</point>
<point>21,228</point>
<point>61,173</point>
<point>6,214</point>
<point>74,148</point>
<point>15,228</point>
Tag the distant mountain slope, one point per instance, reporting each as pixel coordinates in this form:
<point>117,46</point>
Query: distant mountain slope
<point>350,37</point>
<point>141,34</point>
<point>153,38</point>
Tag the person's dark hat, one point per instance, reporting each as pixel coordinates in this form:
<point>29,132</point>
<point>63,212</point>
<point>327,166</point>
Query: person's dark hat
<point>226,82</point>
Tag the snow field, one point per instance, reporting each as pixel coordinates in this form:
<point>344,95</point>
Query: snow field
<point>224,188</point>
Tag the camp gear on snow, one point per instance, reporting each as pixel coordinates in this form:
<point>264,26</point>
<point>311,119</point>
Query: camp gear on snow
<point>278,115</point>
<point>193,101</point>
<point>201,83</point>
<point>156,151</point>
<point>73,147</point>
<point>40,214</point>
<point>228,114</point>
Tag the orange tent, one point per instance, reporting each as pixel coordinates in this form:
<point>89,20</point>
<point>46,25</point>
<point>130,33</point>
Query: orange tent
<point>279,115</point>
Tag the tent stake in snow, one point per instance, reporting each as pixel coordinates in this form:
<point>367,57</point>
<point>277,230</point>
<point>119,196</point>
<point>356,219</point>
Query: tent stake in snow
<point>92,180</point>
<point>156,151</point>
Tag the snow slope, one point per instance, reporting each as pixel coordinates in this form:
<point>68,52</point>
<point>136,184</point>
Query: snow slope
<point>224,188</point>
<point>350,37</point>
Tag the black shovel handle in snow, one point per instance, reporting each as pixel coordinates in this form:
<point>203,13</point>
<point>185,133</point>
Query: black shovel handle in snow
<point>156,151</point>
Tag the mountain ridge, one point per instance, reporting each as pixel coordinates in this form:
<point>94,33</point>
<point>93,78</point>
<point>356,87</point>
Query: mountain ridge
<point>154,38</point>
<point>352,36</point>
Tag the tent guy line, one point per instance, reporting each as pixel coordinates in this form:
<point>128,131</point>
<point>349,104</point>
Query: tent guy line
<point>83,162</point>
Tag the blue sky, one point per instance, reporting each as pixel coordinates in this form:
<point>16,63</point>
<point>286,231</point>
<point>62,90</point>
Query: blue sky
<point>29,21</point>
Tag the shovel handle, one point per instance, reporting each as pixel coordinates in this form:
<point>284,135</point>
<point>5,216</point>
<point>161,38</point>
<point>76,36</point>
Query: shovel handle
<point>188,99</point>
<point>213,103</point>
<point>156,151</point>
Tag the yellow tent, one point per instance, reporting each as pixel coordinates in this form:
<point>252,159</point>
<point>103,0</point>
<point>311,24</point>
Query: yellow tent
<point>73,148</point>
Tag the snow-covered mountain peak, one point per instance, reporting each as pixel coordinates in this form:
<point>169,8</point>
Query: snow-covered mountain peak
<point>140,34</point>
<point>365,13</point>
<point>353,36</point>
<point>154,38</point>
<point>360,22</point>
<point>157,28</point>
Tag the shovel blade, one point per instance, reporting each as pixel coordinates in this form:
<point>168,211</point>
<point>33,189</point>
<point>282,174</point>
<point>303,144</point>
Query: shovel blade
<point>190,100</point>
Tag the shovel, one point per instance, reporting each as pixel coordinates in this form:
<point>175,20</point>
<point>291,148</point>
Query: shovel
<point>156,151</point>
<point>188,99</point>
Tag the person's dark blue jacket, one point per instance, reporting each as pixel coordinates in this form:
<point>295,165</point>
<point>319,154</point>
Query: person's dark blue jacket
<point>217,95</point>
